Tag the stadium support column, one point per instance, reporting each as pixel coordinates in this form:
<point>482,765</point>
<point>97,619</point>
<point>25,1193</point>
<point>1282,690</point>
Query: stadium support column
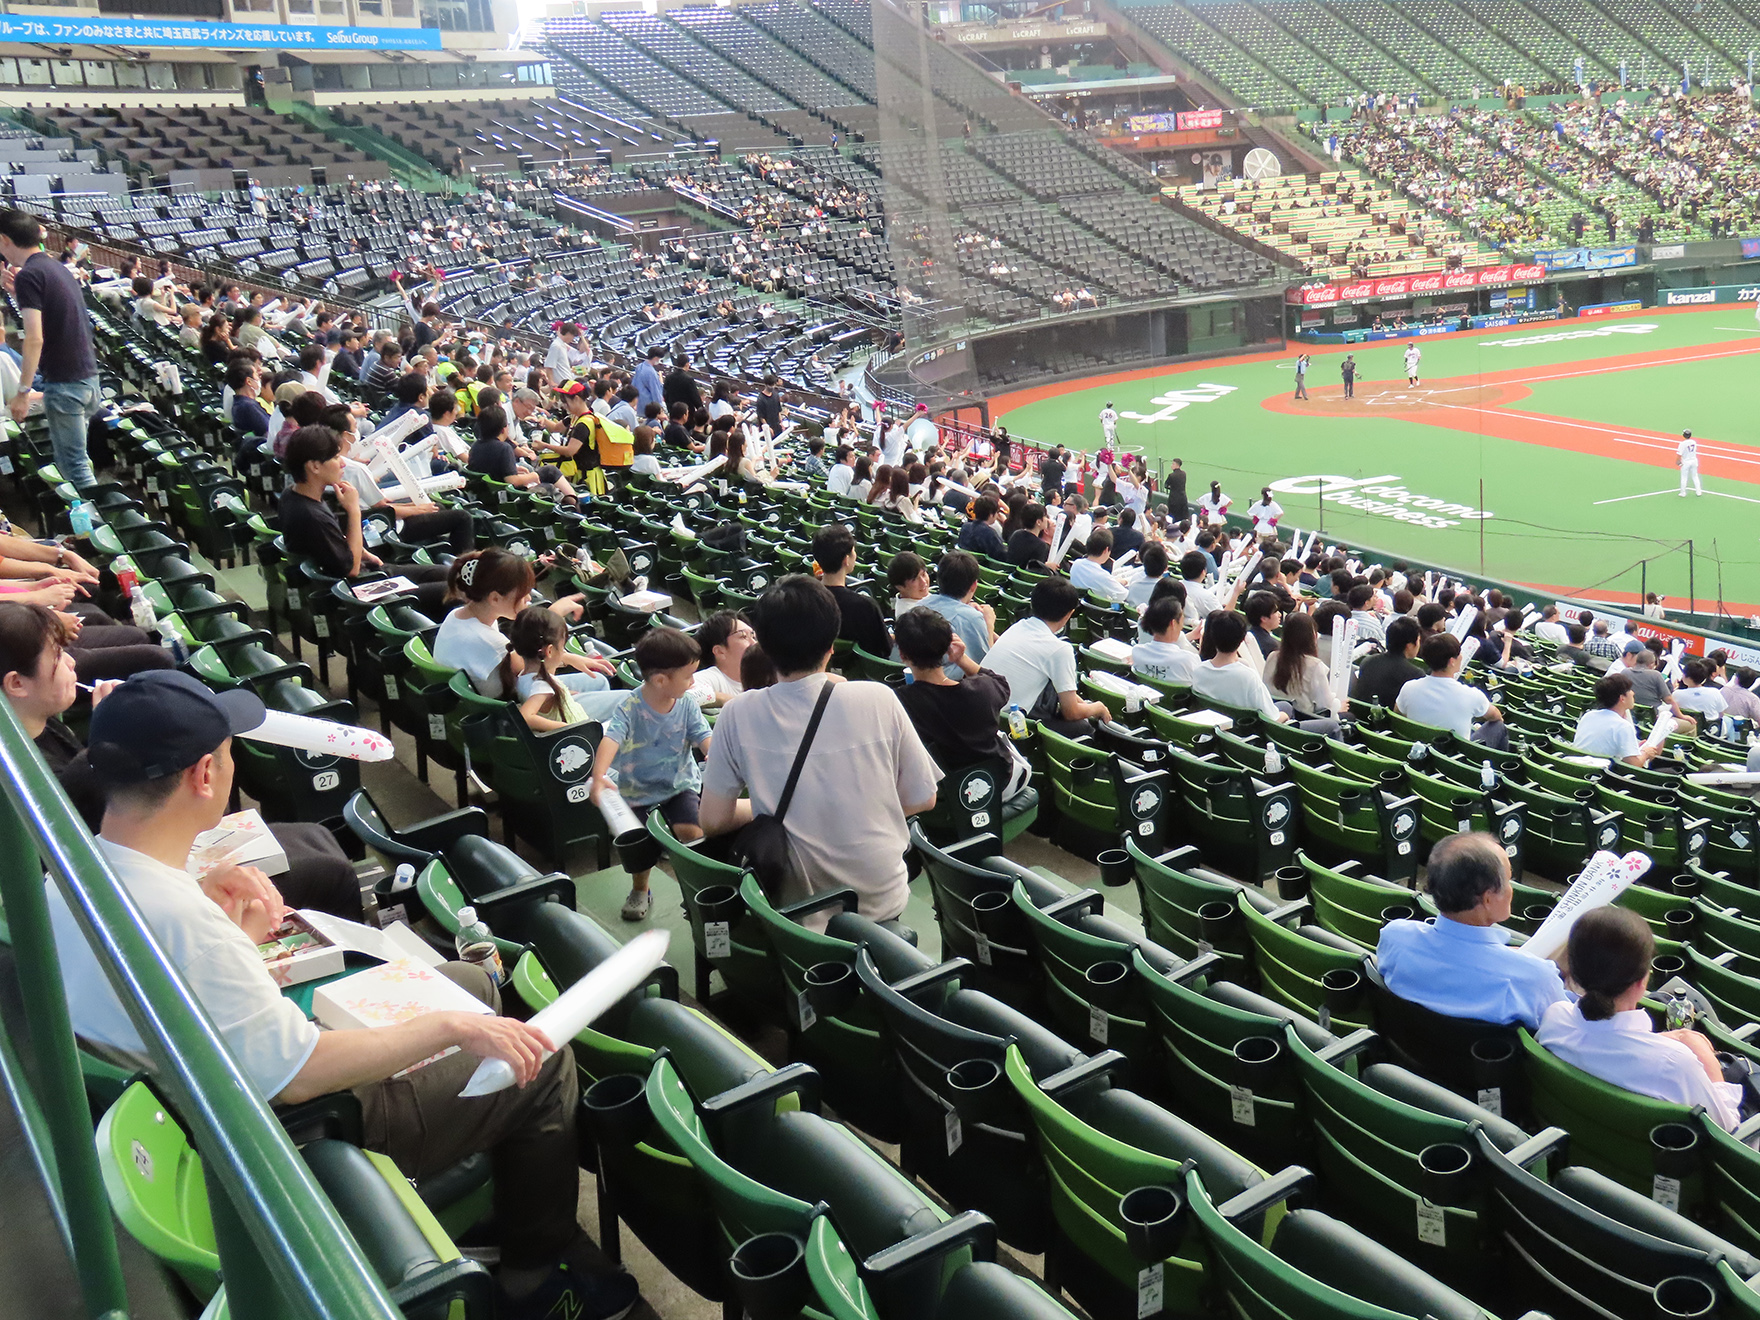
<point>919,134</point>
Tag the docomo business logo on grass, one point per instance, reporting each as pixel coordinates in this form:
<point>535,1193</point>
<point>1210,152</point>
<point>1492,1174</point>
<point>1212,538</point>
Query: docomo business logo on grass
<point>1375,495</point>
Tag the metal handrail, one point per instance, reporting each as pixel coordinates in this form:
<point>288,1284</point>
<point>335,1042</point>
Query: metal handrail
<point>283,1249</point>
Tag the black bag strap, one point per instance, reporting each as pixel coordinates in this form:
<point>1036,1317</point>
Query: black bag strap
<point>800,757</point>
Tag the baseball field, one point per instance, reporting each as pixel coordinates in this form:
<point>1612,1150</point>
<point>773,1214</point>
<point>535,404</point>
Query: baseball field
<point>1542,454</point>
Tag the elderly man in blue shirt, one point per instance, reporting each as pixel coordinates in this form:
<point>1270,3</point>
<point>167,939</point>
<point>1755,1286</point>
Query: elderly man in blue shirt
<point>1461,965</point>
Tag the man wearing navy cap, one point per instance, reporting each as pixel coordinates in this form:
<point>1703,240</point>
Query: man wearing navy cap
<point>161,744</point>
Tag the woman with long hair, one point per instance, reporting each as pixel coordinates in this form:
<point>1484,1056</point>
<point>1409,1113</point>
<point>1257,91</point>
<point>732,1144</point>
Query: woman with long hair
<point>863,480</point>
<point>881,491</point>
<point>1296,674</point>
<point>902,501</point>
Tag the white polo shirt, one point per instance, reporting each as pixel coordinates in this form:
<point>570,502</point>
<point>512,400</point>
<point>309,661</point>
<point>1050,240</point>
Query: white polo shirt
<point>1029,655</point>
<point>1447,703</point>
<point>1626,1051</point>
<point>1171,662</point>
<point>266,1032</point>
<point>1604,732</point>
<point>1237,685</point>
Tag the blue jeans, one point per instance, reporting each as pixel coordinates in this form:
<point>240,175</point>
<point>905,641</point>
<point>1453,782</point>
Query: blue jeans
<point>68,405</point>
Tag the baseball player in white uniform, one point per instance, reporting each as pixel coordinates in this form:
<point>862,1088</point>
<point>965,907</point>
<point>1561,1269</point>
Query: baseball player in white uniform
<point>1687,456</point>
<point>1109,424</point>
<point>1413,357</point>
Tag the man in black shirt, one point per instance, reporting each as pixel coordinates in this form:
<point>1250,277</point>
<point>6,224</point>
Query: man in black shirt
<point>1126,537</point>
<point>956,721</point>
<point>834,549</point>
<point>1051,474</point>
<point>1027,544</point>
<point>769,406</point>
<point>677,435</point>
<point>680,386</point>
<point>347,361</point>
<point>980,533</point>
<point>1177,508</point>
<point>313,460</point>
<point>57,342</point>
<point>1380,677</point>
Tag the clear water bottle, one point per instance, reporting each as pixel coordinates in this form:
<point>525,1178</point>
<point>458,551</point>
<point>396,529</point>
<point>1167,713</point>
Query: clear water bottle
<point>1419,751</point>
<point>477,946</point>
<point>1017,722</point>
<point>80,516</point>
<point>141,610</point>
<point>1273,761</point>
<point>1488,776</point>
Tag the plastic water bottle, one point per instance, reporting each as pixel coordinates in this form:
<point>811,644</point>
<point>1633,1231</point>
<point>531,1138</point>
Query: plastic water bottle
<point>1418,753</point>
<point>80,516</point>
<point>141,610</point>
<point>1273,761</point>
<point>371,533</point>
<point>1017,722</point>
<point>1488,776</point>
<point>172,643</point>
<point>476,946</point>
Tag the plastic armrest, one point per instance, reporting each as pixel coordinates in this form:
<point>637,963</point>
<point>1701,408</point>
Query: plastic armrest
<point>841,900</point>
<point>336,1115</point>
<point>795,1079</point>
<point>932,977</point>
<point>966,1229</point>
<point>435,834</point>
<point>1746,1031</point>
<point>1348,1048</point>
<point>464,1279</point>
<point>1256,1200</point>
<point>555,888</point>
<point>972,851</point>
<point>1282,913</point>
<point>1104,1064</point>
<point>1201,966</point>
<point>1089,902</point>
<point>1544,1144</point>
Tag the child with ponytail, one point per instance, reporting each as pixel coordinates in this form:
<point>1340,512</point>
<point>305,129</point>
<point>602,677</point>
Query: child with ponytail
<point>496,585</point>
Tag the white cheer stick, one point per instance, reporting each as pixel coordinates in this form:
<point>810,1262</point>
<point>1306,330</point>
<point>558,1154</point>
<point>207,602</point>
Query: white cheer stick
<point>324,737</point>
<point>1463,622</point>
<point>580,1004</point>
<point>1604,879</point>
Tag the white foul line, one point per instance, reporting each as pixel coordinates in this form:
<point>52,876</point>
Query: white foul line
<point>1673,491</point>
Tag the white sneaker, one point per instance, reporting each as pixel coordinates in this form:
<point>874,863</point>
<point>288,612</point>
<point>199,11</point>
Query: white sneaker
<point>637,906</point>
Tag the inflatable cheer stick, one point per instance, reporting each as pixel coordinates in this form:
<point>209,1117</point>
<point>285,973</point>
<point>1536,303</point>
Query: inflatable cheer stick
<point>324,737</point>
<point>581,1003</point>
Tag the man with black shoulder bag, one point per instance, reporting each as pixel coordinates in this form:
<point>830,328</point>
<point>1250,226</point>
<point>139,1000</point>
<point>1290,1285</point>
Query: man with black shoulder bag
<point>830,770</point>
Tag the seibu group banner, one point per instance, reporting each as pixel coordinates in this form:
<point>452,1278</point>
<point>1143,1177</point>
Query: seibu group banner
<point>1404,286</point>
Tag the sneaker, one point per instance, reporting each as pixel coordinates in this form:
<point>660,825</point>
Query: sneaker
<point>637,906</point>
<point>572,1295</point>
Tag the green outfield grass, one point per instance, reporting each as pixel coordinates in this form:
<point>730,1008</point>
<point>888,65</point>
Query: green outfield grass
<point>1548,434</point>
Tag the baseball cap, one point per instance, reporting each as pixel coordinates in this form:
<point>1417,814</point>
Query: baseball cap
<point>1634,646</point>
<point>571,387</point>
<point>162,721</point>
<point>289,392</point>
